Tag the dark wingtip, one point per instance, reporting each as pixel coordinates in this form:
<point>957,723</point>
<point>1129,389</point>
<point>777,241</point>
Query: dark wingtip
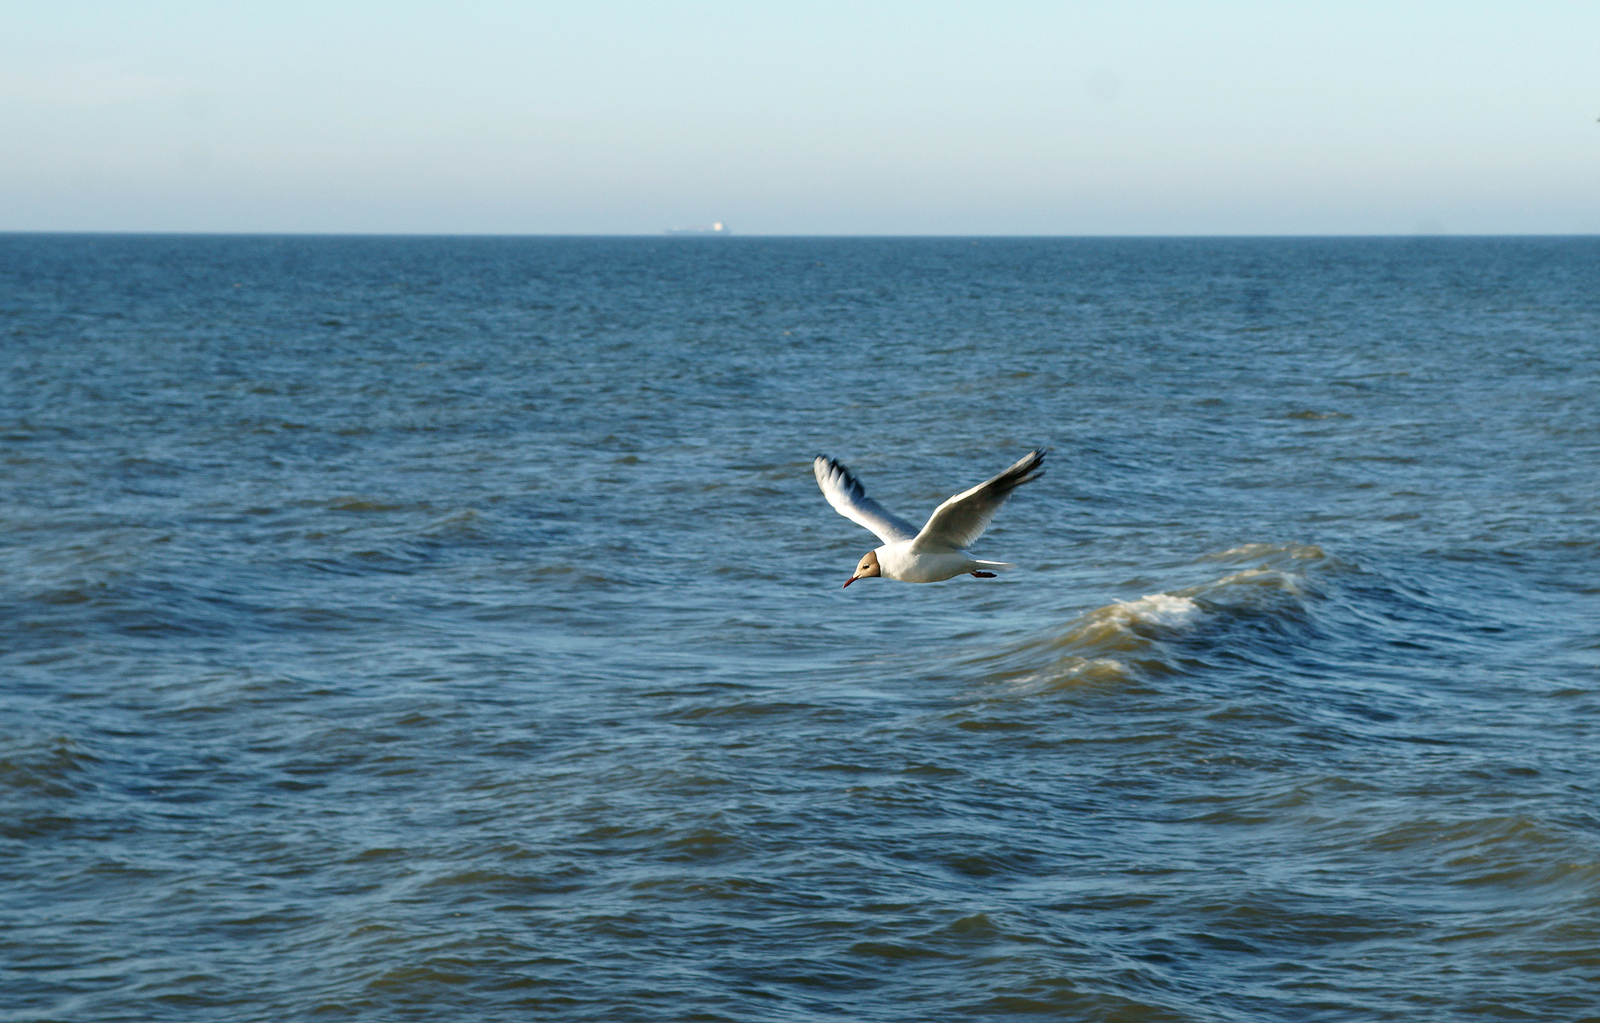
<point>833,465</point>
<point>1028,469</point>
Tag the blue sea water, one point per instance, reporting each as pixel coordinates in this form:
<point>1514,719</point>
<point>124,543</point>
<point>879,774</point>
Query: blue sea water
<point>451,628</point>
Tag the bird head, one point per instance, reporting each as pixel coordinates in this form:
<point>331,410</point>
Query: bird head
<point>866,568</point>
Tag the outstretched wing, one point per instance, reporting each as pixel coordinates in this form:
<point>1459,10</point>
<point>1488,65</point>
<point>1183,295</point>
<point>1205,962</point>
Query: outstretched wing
<point>849,498</point>
<point>962,519</point>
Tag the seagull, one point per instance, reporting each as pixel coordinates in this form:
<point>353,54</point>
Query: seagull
<point>938,550</point>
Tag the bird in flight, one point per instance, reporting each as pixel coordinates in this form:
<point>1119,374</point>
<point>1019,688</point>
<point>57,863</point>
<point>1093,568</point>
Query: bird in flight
<point>938,550</point>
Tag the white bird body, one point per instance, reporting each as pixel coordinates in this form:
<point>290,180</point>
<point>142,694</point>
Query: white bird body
<point>901,560</point>
<point>938,550</point>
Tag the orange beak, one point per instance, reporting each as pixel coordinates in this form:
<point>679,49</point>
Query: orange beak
<point>850,580</point>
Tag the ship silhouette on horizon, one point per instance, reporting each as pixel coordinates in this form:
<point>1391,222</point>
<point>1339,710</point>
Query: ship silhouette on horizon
<point>717,227</point>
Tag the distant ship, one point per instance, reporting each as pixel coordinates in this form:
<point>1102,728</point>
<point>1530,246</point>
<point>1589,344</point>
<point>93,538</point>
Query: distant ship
<point>717,228</point>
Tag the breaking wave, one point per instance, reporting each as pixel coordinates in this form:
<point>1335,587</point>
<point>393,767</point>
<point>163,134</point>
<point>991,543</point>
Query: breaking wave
<point>1160,634</point>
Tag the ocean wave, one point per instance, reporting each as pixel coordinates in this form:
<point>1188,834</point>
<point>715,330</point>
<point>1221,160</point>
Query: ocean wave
<point>1140,640</point>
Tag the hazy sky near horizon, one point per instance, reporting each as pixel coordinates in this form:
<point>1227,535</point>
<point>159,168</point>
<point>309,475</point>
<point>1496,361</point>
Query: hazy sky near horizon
<point>801,118</point>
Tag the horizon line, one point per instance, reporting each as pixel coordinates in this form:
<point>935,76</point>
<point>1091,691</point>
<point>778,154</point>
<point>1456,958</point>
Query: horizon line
<point>731,236</point>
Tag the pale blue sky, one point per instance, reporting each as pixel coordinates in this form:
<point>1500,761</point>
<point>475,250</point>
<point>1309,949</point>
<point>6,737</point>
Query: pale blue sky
<point>801,118</point>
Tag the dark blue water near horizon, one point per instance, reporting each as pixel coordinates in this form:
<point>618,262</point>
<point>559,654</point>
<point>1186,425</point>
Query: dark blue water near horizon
<point>450,628</point>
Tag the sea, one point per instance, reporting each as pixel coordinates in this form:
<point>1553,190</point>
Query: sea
<point>451,628</point>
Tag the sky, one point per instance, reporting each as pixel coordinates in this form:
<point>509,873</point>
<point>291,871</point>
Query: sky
<point>857,118</point>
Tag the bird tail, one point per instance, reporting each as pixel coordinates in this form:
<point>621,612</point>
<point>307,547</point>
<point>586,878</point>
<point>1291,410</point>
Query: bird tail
<point>994,566</point>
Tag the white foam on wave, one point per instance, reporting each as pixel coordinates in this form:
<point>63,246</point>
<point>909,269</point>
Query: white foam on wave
<point>1106,644</point>
<point>1124,625</point>
<point>1117,643</point>
<point>1167,610</point>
